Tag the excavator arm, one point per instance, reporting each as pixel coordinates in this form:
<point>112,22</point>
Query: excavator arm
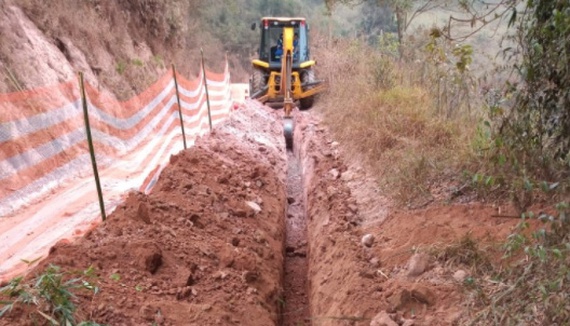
<point>286,78</point>
<point>283,72</point>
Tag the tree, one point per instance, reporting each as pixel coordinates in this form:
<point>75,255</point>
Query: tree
<point>277,7</point>
<point>542,105</point>
<point>478,14</point>
<point>405,11</point>
<point>536,128</point>
<point>376,20</point>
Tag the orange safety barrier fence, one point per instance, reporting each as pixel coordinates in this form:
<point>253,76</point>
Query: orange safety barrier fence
<point>47,191</point>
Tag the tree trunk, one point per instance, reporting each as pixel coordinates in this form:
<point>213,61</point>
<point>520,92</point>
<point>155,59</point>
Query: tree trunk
<point>401,24</point>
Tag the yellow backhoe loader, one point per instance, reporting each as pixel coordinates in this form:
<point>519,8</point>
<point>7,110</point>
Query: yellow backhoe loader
<point>283,72</point>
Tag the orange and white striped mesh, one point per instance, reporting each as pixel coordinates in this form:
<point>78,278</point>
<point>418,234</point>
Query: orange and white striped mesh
<point>47,191</point>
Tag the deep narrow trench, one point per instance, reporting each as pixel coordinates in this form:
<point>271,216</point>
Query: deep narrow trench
<point>296,310</point>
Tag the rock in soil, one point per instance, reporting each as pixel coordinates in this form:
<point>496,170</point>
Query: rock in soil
<point>460,276</point>
<point>383,319</point>
<point>423,294</point>
<point>254,206</point>
<point>143,214</point>
<point>375,262</point>
<point>399,299</point>
<point>149,256</point>
<point>409,322</point>
<point>368,240</point>
<point>418,265</point>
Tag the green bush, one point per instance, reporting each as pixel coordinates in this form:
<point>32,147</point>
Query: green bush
<point>534,287</point>
<point>52,291</point>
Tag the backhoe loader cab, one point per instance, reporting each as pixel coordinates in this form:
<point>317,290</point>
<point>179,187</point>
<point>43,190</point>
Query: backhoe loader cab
<point>271,45</point>
<point>283,70</point>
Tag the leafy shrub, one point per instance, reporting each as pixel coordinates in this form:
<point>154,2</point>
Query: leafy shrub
<point>51,291</point>
<point>533,288</point>
<point>530,123</point>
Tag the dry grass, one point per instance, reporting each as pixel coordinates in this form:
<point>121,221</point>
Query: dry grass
<point>527,286</point>
<point>388,118</point>
<point>468,252</point>
<point>122,39</point>
<point>531,286</point>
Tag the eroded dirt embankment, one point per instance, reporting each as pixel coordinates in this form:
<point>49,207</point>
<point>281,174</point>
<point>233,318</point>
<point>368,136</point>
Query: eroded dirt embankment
<point>204,248</point>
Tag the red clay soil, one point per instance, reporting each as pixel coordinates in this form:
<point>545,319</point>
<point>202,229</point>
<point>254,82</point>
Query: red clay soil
<point>351,283</point>
<point>204,248</point>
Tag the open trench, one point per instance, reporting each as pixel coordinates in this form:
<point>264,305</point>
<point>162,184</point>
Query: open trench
<point>325,269</point>
<point>296,310</point>
<point>225,259</point>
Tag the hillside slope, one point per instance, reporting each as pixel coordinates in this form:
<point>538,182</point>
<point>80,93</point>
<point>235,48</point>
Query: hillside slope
<point>122,46</point>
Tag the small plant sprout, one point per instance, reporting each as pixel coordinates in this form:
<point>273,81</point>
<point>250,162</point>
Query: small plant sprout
<point>52,292</point>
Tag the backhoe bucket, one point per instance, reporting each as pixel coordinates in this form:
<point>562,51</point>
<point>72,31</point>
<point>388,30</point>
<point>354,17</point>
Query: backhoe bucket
<point>288,127</point>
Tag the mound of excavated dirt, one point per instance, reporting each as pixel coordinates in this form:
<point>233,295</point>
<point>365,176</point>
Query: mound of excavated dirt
<point>204,248</point>
<point>208,246</point>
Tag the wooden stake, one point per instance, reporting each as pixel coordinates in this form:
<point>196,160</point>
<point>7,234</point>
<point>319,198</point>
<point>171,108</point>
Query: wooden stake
<point>91,148</point>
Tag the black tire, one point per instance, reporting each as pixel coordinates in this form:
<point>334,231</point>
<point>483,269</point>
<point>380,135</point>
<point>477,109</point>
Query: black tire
<point>307,76</point>
<point>257,82</point>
